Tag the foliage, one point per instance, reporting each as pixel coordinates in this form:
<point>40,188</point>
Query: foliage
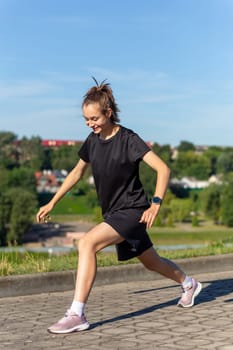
<point>195,221</point>
<point>22,208</point>
<point>22,177</point>
<point>185,146</point>
<point>158,222</point>
<point>181,210</point>
<point>164,152</point>
<point>5,210</point>
<point>210,199</point>
<point>98,215</point>
<point>16,263</point>
<point>8,151</point>
<point>71,204</point>
<point>179,191</point>
<point>213,153</point>
<point>31,153</point>
<point>4,178</point>
<point>191,164</point>
<point>226,204</point>
<point>225,162</point>
<point>64,157</point>
<point>6,138</point>
<point>47,159</point>
<point>148,178</point>
<point>17,205</point>
<point>19,159</point>
<point>91,199</point>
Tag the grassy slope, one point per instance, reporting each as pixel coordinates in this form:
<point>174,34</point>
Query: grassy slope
<point>73,208</point>
<point>18,263</point>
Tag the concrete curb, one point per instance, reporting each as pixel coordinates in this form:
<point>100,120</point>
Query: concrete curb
<point>12,286</point>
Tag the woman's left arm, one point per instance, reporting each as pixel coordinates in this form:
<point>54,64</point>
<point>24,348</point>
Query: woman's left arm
<point>163,174</point>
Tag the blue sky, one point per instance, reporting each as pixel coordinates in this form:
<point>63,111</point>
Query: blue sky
<point>169,62</point>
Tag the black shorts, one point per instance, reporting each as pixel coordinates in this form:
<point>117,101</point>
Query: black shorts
<point>126,223</point>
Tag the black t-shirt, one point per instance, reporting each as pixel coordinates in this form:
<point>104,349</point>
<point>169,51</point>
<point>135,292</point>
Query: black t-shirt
<point>115,168</point>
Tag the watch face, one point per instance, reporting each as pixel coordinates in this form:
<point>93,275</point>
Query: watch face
<point>157,200</point>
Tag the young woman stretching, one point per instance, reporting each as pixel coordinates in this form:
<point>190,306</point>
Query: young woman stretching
<point>114,153</point>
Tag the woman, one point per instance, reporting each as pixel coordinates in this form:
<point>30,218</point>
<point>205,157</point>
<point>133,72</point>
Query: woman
<point>114,153</point>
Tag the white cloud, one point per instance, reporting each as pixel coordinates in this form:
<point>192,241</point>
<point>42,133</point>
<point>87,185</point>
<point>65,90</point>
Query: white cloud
<point>24,89</point>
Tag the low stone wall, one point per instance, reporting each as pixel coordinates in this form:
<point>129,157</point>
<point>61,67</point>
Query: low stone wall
<point>11,286</point>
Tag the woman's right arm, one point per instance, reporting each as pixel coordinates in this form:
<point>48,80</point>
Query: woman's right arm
<point>72,179</point>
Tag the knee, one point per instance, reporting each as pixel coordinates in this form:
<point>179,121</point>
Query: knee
<point>85,244</point>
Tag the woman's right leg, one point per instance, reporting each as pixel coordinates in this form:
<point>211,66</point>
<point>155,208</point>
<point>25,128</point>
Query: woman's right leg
<point>93,241</point>
<point>89,244</point>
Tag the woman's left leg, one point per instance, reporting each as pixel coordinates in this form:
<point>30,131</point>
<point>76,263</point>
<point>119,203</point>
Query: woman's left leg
<point>152,261</point>
<point>190,287</point>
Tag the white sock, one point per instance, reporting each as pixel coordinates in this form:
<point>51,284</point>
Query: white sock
<point>187,283</point>
<point>78,307</point>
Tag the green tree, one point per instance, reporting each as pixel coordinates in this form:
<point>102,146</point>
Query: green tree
<point>23,204</point>
<point>47,159</point>
<point>9,154</point>
<point>65,157</point>
<point>191,164</point>
<point>212,153</point>
<point>5,210</point>
<point>164,152</point>
<point>181,209</point>
<point>32,153</point>
<point>4,178</point>
<point>148,178</point>
<point>201,168</point>
<point>225,162</point>
<point>195,221</point>
<point>185,146</point>
<point>210,199</point>
<point>22,177</point>
<point>226,204</point>
<point>165,213</point>
<point>6,138</point>
<point>91,198</point>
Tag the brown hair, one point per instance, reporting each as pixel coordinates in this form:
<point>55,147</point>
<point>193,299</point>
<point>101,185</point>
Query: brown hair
<point>102,94</point>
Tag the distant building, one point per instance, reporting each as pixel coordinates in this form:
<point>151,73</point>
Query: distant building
<point>59,143</point>
<point>191,183</point>
<point>48,181</point>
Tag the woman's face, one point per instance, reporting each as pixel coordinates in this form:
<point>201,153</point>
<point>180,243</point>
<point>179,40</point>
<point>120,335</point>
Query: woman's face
<point>95,119</point>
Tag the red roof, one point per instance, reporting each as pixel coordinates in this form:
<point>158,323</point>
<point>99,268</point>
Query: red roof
<point>58,143</point>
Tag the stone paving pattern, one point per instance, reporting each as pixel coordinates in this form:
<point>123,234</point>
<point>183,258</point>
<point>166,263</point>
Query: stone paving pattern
<point>124,316</point>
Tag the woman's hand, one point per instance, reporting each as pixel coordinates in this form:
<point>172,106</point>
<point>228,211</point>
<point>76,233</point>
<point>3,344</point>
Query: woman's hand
<point>148,217</point>
<point>43,213</point>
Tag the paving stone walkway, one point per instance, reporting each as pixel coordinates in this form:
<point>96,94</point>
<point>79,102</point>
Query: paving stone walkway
<point>124,316</point>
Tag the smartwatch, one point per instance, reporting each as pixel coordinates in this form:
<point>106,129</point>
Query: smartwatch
<point>157,200</point>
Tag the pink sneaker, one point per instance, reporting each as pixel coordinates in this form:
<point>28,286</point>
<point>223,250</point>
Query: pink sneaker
<point>189,294</point>
<point>69,323</point>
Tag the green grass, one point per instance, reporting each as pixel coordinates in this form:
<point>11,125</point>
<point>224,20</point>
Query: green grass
<point>70,205</point>
<point>64,218</point>
<point>70,209</point>
<point>16,263</point>
<point>195,237</point>
<point>213,238</point>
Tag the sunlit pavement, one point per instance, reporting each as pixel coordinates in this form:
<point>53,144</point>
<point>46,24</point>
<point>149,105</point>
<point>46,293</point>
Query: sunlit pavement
<point>133,315</point>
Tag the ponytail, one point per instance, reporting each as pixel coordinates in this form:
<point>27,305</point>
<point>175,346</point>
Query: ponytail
<point>102,94</point>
